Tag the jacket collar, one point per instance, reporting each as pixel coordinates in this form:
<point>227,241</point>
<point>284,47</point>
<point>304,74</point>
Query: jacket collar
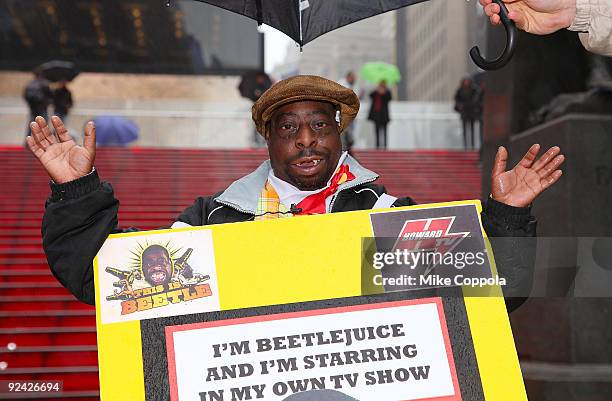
<point>243,194</point>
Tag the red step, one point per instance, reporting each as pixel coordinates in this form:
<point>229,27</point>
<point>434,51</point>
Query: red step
<point>42,336</point>
<point>51,356</point>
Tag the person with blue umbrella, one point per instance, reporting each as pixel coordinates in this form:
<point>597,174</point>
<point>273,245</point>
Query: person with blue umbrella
<point>115,131</point>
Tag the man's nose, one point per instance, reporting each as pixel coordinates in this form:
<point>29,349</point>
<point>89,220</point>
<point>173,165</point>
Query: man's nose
<point>306,137</point>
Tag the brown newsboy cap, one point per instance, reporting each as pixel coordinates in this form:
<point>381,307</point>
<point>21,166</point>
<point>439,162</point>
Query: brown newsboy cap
<point>305,87</point>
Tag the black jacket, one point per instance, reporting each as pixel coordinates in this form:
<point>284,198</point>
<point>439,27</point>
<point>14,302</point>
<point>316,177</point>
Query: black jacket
<point>380,116</point>
<point>81,214</point>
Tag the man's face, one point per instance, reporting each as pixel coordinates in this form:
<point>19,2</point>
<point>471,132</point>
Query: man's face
<point>156,266</point>
<point>304,144</point>
<point>350,78</point>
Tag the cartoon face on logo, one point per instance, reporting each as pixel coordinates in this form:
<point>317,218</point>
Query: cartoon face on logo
<point>157,266</point>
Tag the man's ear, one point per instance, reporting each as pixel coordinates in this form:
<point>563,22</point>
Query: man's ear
<point>267,131</point>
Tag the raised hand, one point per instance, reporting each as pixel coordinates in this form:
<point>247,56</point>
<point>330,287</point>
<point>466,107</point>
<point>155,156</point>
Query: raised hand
<point>540,17</point>
<point>61,157</point>
<point>528,179</point>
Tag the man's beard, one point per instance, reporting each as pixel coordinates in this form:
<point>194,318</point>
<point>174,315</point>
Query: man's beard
<point>309,186</point>
<point>313,183</point>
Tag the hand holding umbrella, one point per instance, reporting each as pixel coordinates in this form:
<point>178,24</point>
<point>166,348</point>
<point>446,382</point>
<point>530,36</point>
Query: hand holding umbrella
<point>540,17</point>
<point>61,157</point>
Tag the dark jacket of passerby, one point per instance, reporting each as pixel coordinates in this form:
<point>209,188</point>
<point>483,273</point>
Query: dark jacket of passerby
<point>466,101</point>
<point>38,96</point>
<point>379,107</point>
<point>62,101</point>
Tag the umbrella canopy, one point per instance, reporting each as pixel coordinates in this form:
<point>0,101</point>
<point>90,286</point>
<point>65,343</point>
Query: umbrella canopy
<point>57,70</point>
<point>375,72</point>
<point>253,84</point>
<point>305,20</point>
<point>115,131</point>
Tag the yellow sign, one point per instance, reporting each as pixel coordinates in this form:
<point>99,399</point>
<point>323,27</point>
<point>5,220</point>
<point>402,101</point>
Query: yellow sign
<point>184,274</point>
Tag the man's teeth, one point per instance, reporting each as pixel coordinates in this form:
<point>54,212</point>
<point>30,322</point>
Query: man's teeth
<point>308,163</point>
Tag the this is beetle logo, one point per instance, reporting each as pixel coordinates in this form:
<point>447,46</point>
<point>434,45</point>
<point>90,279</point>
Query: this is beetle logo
<point>153,265</point>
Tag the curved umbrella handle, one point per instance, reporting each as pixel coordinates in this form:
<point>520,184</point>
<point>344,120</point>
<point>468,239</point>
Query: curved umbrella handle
<point>505,57</point>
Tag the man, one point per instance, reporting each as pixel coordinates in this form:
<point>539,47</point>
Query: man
<point>38,96</point>
<point>592,18</point>
<point>379,113</point>
<point>307,173</point>
<point>157,265</point>
<point>465,105</point>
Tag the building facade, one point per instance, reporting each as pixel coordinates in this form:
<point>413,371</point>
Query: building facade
<point>437,36</point>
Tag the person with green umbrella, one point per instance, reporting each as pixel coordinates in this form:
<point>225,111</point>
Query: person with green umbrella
<point>379,113</point>
<point>381,74</point>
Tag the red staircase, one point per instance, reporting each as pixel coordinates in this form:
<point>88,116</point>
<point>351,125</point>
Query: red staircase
<point>46,334</point>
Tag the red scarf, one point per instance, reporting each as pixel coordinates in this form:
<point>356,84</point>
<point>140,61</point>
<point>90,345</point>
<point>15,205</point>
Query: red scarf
<point>315,203</point>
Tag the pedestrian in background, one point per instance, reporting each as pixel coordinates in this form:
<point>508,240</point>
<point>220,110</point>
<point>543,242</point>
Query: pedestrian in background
<point>62,100</point>
<point>379,113</point>
<point>38,96</point>
<point>252,85</point>
<point>466,105</point>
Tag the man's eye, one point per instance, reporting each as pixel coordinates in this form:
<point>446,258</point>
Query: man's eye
<point>321,124</point>
<point>287,126</point>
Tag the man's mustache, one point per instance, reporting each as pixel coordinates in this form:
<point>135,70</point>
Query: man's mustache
<point>309,153</point>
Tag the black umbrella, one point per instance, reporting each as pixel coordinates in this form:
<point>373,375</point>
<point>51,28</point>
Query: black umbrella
<point>253,84</point>
<point>57,70</point>
<point>305,20</point>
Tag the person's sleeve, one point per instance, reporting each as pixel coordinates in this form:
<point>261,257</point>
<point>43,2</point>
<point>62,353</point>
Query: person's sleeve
<point>194,214</point>
<point>594,22</point>
<point>79,216</point>
<point>510,231</point>
<point>405,201</point>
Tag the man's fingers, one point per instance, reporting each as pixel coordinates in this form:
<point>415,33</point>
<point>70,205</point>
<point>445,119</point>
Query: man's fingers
<point>501,159</point>
<point>546,157</point>
<point>495,19</point>
<point>530,156</point>
<point>46,137</point>
<point>60,129</point>
<point>89,142</point>
<point>492,9</point>
<point>551,179</point>
<point>552,166</point>
<point>37,135</point>
<point>34,148</point>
